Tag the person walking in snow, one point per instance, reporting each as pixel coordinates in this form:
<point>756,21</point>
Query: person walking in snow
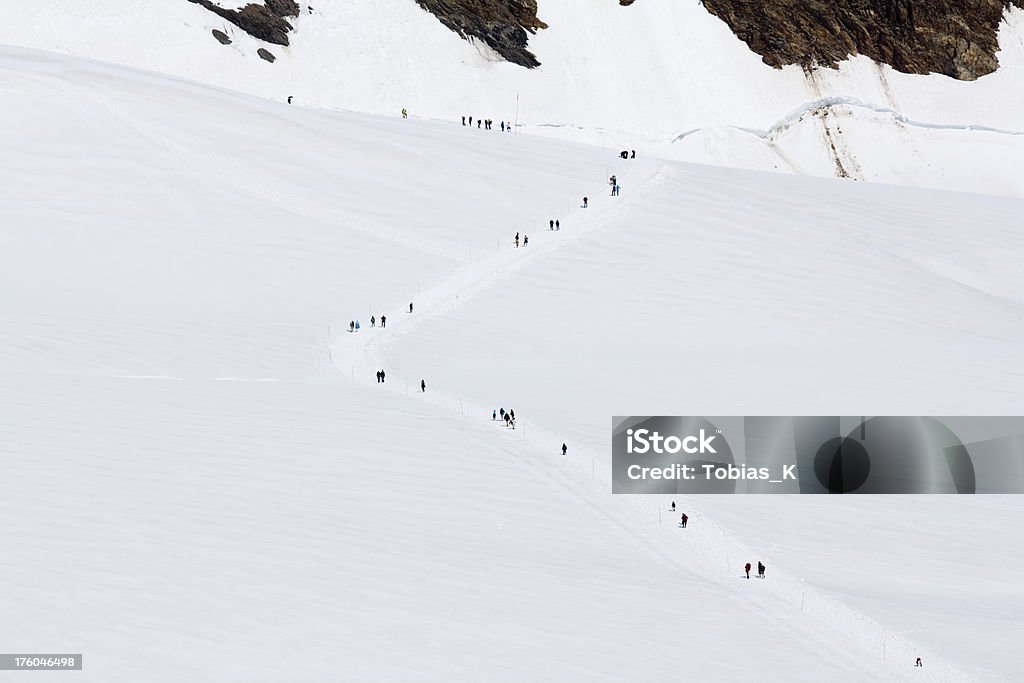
<point>584,202</point>
<point>494,415</point>
<point>351,325</point>
<point>382,377</point>
<point>289,99</point>
<point>918,662</point>
<point>373,321</point>
<point>684,520</point>
<point>633,154</point>
<point>423,385</point>
<point>760,569</point>
<point>478,122</point>
<point>410,307</point>
<point>565,449</point>
<point>517,240</point>
<point>551,224</point>
<point>471,121</point>
<point>383,321</point>
<point>502,126</point>
<point>558,225</point>
<point>357,326</point>
<point>378,377</point>
<point>463,120</point>
<point>502,413</point>
<point>747,568</point>
<point>405,113</point>
<point>526,240</point>
<point>512,413</point>
<point>673,506</point>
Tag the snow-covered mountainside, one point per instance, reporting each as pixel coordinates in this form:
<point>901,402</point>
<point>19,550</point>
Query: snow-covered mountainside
<point>203,481</point>
<point>667,78</point>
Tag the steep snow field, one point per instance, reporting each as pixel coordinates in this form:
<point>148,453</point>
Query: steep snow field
<point>202,481</point>
<point>664,77</point>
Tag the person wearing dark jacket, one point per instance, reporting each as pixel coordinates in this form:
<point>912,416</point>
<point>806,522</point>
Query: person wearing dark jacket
<point>684,520</point>
<point>423,385</point>
<point>747,568</point>
<point>565,449</point>
<point>760,569</point>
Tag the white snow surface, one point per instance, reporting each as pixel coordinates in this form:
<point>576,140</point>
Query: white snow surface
<point>201,480</point>
<point>664,77</point>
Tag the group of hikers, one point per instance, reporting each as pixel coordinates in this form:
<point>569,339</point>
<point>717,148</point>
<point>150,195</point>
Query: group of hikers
<point>760,569</point>
<point>526,240</point>
<point>353,325</point>
<point>486,124</point>
<point>508,417</point>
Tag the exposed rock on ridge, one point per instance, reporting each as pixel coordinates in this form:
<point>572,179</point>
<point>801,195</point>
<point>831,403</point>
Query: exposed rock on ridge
<point>957,38</point>
<point>263,21</point>
<point>502,25</point>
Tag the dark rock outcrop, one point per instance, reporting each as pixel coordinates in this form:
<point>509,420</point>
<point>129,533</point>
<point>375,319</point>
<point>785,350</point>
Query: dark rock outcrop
<point>502,25</point>
<point>267,55</point>
<point>221,37</point>
<point>263,21</point>
<point>957,38</point>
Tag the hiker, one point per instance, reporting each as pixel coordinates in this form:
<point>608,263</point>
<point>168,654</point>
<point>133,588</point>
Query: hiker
<point>673,506</point>
<point>526,240</point>
<point>512,414</point>
<point>373,321</point>
<point>747,568</point>
<point>405,114</point>
<point>383,321</point>
<point>502,126</point>
<point>410,307</point>
<point>378,377</point>
<point>357,326</point>
<point>494,415</point>
<point>551,224</point>
<point>289,99</point>
<point>584,202</point>
<point>517,240</point>
<point>558,225</point>
<point>919,662</point>
<point>624,154</point>
<point>632,154</point>
<point>565,449</point>
<point>351,325</point>
<point>760,569</point>
<point>471,121</point>
<point>382,377</point>
<point>478,123</point>
<point>463,120</point>
<point>423,385</point>
<point>683,522</point>
<point>502,413</point>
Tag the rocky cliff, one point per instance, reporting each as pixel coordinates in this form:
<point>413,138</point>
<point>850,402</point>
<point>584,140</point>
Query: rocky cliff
<point>957,38</point>
<point>502,25</point>
<point>265,21</point>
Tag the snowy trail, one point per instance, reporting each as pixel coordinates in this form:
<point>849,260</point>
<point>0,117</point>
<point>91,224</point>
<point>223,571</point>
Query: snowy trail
<point>705,551</point>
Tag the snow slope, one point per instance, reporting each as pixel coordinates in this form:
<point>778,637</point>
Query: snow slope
<point>664,77</point>
<point>201,481</point>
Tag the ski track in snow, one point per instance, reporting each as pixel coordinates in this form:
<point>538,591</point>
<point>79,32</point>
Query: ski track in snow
<point>830,103</point>
<point>705,550</point>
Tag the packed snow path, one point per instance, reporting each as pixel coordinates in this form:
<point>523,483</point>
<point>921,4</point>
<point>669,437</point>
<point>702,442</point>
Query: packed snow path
<point>704,551</point>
